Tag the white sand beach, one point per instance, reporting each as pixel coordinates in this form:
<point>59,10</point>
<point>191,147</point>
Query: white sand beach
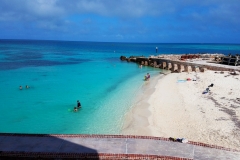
<point>176,108</point>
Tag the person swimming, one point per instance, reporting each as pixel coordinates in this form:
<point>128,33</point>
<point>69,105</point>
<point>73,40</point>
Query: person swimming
<point>27,87</point>
<point>75,109</point>
<point>20,87</point>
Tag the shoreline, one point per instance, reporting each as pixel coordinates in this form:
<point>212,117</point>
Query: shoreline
<point>173,108</point>
<point>136,119</point>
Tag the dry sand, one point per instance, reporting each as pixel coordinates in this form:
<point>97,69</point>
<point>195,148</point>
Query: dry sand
<point>173,108</point>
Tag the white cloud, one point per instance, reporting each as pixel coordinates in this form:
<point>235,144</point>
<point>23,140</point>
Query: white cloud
<point>44,8</point>
<point>118,18</point>
<point>113,8</point>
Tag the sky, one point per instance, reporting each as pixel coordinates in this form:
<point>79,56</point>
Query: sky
<point>150,21</point>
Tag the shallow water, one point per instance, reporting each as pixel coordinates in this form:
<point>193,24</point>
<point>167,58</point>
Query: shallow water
<point>60,73</point>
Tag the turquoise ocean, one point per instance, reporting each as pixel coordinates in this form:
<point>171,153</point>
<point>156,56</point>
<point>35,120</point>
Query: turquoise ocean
<point>61,72</point>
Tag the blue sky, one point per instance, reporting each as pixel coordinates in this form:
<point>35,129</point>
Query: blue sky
<point>161,21</point>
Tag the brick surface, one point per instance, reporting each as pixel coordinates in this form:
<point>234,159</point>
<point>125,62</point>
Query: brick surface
<point>108,147</point>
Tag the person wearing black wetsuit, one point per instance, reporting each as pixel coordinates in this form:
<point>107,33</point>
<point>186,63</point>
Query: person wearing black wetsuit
<point>78,104</point>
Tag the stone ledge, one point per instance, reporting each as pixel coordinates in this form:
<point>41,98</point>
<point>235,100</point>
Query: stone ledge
<point>22,155</point>
<point>118,136</point>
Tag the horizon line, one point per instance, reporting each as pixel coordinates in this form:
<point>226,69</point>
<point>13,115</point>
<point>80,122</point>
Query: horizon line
<point>120,41</point>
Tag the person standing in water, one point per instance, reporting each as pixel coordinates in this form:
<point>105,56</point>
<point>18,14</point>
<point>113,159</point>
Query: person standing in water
<point>147,77</point>
<point>78,104</point>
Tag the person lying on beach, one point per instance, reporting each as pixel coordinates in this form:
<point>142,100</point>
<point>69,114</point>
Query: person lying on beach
<point>182,140</point>
<point>206,91</point>
<point>233,73</point>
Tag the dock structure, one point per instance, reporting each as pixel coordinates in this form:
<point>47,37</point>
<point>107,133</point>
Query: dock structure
<point>184,63</point>
<point>231,60</point>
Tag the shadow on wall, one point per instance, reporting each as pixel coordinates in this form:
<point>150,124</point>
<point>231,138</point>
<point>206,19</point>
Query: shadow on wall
<point>30,146</point>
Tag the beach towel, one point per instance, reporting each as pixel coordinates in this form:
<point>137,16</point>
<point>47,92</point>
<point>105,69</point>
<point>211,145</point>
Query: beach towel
<point>181,81</point>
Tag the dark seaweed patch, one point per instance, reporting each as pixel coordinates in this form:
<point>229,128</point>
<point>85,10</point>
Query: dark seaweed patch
<point>75,59</point>
<point>32,63</point>
<point>221,119</point>
<point>234,106</point>
<point>112,59</point>
<point>230,111</point>
<point>65,53</point>
<point>27,55</point>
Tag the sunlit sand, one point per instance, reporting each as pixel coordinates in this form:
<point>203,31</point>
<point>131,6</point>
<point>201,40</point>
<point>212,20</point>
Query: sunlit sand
<point>178,108</point>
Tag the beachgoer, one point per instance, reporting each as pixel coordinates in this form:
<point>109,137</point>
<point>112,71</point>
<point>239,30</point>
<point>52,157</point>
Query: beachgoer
<point>145,78</point>
<point>75,109</point>
<point>182,140</point>
<point>27,86</point>
<point>211,85</point>
<point>148,76</point>
<point>78,104</point>
<point>20,87</point>
<point>233,72</point>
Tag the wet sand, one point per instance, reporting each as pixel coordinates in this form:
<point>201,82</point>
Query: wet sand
<point>172,107</point>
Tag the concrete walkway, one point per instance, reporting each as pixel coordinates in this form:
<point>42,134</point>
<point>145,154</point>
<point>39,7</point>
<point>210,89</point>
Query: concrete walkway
<point>29,145</point>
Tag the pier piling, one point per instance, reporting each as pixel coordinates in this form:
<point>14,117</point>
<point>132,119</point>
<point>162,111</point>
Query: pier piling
<point>169,66</point>
<point>164,65</point>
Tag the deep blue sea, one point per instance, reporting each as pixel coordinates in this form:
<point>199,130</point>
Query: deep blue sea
<point>61,72</point>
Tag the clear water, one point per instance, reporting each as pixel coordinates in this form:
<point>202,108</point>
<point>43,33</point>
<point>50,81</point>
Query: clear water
<point>60,73</point>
